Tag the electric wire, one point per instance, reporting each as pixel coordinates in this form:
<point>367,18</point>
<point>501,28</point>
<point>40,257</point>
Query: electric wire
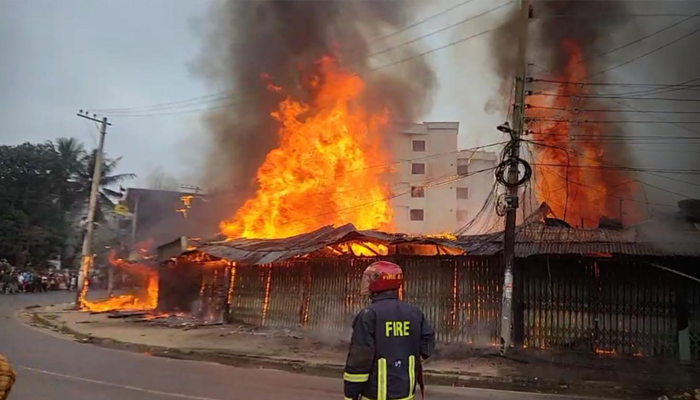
<point>474,150</point>
<point>413,25</point>
<point>441,29</point>
<point>645,172</point>
<point>606,193</point>
<point>548,94</point>
<point>620,168</point>
<point>584,83</point>
<point>435,183</point>
<point>603,110</point>
<point>224,95</point>
<point>639,40</point>
<point>645,54</point>
<point>453,43</point>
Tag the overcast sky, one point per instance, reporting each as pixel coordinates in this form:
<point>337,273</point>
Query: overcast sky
<point>62,56</point>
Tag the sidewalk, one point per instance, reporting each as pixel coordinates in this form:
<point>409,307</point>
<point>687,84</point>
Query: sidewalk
<point>455,365</point>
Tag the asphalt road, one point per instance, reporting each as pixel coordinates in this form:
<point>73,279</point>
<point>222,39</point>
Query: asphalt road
<point>53,368</point>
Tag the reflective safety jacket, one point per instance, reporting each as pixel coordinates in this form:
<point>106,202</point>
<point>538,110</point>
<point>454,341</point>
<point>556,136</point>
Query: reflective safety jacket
<point>389,340</point>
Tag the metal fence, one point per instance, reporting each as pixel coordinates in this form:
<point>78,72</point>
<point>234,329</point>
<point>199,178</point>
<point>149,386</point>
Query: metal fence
<point>583,304</point>
<point>607,306</point>
<point>460,297</point>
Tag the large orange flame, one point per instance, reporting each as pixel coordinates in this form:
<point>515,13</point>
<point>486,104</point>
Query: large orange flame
<point>145,300</point>
<point>583,193</point>
<point>327,167</point>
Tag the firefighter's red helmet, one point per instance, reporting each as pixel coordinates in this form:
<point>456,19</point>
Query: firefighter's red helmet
<point>381,276</point>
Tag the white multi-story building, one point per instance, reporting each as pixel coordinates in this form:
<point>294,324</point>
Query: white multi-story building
<point>433,187</point>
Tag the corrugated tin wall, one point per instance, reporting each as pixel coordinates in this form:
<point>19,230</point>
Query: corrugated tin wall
<point>606,306</point>
<point>574,303</point>
<point>460,297</point>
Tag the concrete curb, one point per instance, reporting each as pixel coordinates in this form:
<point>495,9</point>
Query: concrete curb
<point>594,389</point>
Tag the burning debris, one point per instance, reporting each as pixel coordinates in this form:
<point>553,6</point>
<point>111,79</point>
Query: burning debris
<point>146,299</point>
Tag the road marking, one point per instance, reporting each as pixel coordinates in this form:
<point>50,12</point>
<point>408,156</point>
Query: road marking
<point>96,382</point>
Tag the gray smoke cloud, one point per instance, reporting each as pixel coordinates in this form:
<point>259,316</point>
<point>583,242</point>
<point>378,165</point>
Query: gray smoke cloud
<point>282,39</point>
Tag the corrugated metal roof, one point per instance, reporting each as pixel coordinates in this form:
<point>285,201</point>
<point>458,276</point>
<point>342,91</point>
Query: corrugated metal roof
<point>263,251</point>
<point>675,238</point>
<point>647,239</point>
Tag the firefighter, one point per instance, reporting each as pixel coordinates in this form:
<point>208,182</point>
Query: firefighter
<point>389,340</point>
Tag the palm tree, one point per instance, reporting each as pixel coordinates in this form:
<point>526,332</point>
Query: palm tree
<point>71,153</point>
<point>106,195</point>
<point>70,158</point>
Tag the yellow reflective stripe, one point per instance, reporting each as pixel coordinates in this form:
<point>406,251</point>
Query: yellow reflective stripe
<point>356,378</point>
<point>405,398</point>
<point>346,398</point>
<point>381,379</point>
<point>411,374</point>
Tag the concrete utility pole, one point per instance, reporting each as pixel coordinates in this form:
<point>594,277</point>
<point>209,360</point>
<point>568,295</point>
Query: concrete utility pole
<point>87,257</point>
<point>511,312</point>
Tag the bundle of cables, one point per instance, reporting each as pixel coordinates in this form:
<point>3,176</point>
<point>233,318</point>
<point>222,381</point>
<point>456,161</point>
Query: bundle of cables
<point>507,162</point>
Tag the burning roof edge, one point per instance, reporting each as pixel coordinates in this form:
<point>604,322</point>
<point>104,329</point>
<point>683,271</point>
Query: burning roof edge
<point>263,251</point>
<point>532,239</point>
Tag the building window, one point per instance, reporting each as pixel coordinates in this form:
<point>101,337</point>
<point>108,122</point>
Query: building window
<point>462,193</point>
<point>419,145</point>
<point>417,191</point>
<point>462,167</point>
<point>418,169</point>
<point>417,215</point>
<point>462,215</point>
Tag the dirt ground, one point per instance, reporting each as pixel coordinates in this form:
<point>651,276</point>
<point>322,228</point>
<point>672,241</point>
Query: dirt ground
<point>453,364</point>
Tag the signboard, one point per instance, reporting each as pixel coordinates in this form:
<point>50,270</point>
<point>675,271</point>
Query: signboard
<point>121,209</point>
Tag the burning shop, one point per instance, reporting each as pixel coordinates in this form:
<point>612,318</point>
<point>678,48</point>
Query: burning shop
<point>609,289</point>
<point>313,129</point>
<point>595,290</point>
<point>312,281</point>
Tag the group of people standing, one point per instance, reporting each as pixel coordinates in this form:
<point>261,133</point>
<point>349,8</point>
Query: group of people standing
<point>16,281</point>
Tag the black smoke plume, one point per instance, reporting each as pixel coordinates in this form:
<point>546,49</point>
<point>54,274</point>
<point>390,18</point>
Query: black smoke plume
<point>588,22</point>
<point>251,40</point>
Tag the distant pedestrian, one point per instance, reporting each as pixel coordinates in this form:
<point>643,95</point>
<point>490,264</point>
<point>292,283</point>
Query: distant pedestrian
<point>20,282</point>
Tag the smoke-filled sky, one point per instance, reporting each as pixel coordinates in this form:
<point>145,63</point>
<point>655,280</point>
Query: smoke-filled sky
<point>58,57</point>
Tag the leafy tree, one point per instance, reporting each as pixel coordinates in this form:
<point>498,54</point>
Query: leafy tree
<point>42,186</point>
<point>31,219</point>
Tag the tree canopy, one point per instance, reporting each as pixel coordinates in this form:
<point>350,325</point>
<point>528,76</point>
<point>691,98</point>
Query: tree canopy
<point>42,186</point>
